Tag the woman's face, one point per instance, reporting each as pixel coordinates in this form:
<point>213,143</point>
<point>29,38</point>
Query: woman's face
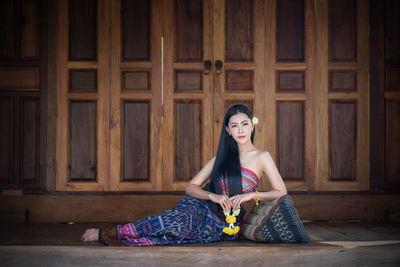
<point>240,128</point>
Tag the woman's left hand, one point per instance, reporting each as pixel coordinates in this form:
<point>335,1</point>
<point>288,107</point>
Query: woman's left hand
<point>239,199</point>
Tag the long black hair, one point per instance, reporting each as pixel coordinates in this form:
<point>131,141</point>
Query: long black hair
<point>227,163</point>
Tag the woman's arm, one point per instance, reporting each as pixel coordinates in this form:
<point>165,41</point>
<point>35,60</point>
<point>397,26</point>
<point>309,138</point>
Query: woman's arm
<point>194,187</point>
<point>275,179</point>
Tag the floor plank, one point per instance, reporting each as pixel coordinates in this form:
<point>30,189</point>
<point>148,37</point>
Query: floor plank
<point>332,244</point>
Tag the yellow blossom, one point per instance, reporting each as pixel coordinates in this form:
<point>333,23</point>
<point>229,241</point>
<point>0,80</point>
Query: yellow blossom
<point>230,219</point>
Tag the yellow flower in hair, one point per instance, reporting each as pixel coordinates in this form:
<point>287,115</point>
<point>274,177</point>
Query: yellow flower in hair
<point>254,120</point>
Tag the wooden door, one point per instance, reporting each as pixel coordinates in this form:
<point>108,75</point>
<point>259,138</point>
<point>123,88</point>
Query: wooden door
<point>187,90</point>
<point>135,94</point>
<point>82,95</point>
<point>341,95</point>
<point>138,111</point>
<point>239,40</point>
<point>23,94</point>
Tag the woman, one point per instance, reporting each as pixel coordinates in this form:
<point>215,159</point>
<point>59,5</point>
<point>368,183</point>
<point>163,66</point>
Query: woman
<point>201,216</point>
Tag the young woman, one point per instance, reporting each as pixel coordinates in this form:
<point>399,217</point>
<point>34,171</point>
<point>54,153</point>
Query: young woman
<point>202,216</point>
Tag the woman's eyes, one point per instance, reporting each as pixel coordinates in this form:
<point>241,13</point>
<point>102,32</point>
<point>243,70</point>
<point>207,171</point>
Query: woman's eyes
<point>244,124</point>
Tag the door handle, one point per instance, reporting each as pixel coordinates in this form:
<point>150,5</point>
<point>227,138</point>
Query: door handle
<point>218,67</point>
<point>207,67</point>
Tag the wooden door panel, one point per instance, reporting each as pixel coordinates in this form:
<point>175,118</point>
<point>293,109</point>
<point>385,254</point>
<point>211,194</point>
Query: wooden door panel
<point>82,30</point>
<point>290,139</point>
<point>30,140</point>
<point>238,30</point>
<point>342,98</point>
<point>289,85</point>
<point>187,139</point>
<point>290,30</point>
<point>188,30</point>
<point>82,140</point>
<point>136,26</point>
<point>393,144</point>
<point>187,120</point>
<point>6,139</point>
<point>82,95</point>
<point>342,139</point>
<point>136,143</point>
<point>135,161</point>
<point>7,29</point>
<point>342,30</point>
<point>30,30</point>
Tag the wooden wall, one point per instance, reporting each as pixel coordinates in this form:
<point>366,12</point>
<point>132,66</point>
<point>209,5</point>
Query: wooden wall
<point>385,96</point>
<point>23,69</point>
<point>134,109</point>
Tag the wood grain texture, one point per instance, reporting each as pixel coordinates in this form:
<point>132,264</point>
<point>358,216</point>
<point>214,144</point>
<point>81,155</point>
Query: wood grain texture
<point>82,141</point>
<point>188,80</point>
<point>290,139</point>
<point>136,27</point>
<point>342,80</point>
<point>82,30</point>
<point>135,80</point>
<point>6,139</point>
<point>187,158</point>
<point>391,30</point>
<point>343,30</point>
<point>239,80</point>
<point>101,96</point>
<point>136,143</point>
<point>290,30</point>
<point>108,208</point>
<point>30,38</point>
<point>202,96</point>
<point>188,30</point>
<point>320,95</point>
<point>239,30</point>
<point>7,29</point>
<point>392,142</point>
<point>290,81</point>
<point>392,79</point>
<point>20,78</point>
<point>82,80</point>
<point>342,140</point>
<point>30,140</point>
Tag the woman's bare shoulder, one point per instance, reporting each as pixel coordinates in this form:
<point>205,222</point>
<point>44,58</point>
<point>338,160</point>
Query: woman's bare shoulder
<point>261,153</point>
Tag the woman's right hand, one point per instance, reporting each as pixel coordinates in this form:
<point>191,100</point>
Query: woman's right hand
<point>222,200</point>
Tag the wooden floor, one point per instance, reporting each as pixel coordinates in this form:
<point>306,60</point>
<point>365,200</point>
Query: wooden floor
<point>332,244</point>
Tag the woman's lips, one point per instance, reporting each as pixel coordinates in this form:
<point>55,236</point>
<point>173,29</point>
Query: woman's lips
<point>241,137</point>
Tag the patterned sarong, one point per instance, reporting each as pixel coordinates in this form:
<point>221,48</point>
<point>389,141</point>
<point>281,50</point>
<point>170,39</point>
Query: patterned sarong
<point>191,221</point>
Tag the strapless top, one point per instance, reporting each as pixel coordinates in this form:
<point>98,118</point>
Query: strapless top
<point>249,181</point>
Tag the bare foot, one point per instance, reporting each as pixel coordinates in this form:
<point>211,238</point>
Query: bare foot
<point>90,235</point>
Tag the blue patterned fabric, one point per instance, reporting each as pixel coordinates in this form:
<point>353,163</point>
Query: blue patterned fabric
<point>191,221</point>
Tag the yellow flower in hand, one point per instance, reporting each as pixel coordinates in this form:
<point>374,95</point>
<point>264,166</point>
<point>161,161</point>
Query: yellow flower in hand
<point>235,230</point>
<point>231,219</point>
<point>228,231</point>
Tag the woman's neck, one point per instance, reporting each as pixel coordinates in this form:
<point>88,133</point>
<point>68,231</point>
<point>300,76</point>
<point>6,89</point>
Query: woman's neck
<point>245,147</point>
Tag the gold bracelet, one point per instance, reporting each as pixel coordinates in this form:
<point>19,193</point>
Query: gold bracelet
<point>258,197</point>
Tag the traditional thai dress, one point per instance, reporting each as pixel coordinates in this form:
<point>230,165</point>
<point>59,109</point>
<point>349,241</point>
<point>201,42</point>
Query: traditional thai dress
<point>191,221</point>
